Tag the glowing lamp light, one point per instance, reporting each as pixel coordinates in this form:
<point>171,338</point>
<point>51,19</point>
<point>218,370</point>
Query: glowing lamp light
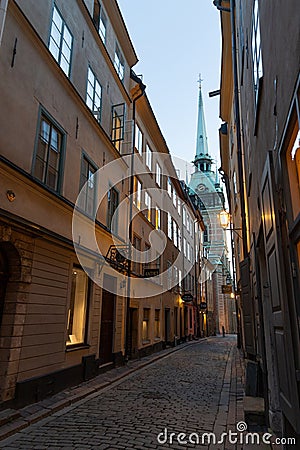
<point>224,219</point>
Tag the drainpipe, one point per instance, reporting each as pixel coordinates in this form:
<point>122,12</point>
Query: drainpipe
<point>131,187</point>
<point>3,10</point>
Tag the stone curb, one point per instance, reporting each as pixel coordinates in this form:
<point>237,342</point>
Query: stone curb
<point>23,418</point>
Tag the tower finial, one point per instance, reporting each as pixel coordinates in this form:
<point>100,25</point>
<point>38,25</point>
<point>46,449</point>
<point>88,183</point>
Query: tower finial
<point>200,80</point>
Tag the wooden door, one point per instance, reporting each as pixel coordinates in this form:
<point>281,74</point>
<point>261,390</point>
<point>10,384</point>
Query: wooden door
<point>280,320</point>
<point>107,327</point>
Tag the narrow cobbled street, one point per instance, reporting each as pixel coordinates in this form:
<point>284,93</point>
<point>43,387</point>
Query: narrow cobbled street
<point>193,389</point>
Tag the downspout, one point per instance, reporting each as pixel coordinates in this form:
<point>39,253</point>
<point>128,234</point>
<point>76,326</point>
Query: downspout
<point>130,231</point>
<point>3,10</point>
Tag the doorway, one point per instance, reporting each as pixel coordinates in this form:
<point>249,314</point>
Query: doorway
<point>107,321</point>
<point>167,325</point>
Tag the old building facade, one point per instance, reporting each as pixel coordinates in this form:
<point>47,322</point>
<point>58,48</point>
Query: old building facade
<point>85,173</point>
<point>260,160</point>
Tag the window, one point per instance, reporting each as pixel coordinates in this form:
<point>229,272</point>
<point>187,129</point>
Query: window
<point>174,198</point>
<point>93,94</point>
<point>60,43</point>
<point>169,274</point>
<point>184,246</point>
<point>88,184</point>
<point>145,331</point>
<point>137,244</point>
<point>137,198</point>
<point>179,206</point>
<point>175,234</point>
<point>157,324</point>
<point>184,216</point>
<point>49,152</point>
<point>169,187</point>
<point>179,239</point>
<point>157,218</point>
<point>148,206</point>
<point>77,313</point>
<point>112,205</point>
<point>119,63</point>
<point>158,175</point>
<point>148,157</point>
<point>170,231</point>
<point>118,124</point>
<point>175,274</point>
<point>100,20</point>
<point>138,139</point>
<point>188,251</point>
<point>180,280</point>
<point>256,51</point>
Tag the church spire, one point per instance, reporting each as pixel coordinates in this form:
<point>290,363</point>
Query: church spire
<point>203,159</point>
<point>201,147</point>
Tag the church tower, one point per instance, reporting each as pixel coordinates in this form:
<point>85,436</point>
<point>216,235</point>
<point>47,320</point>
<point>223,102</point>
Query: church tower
<point>205,186</point>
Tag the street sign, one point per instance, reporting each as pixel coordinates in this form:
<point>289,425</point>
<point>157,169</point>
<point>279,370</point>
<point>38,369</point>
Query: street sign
<point>203,305</point>
<point>151,273</point>
<point>187,297</point>
<point>226,288</point>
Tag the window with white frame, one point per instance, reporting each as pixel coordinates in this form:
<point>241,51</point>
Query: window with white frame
<point>188,251</point>
<point>61,41</point>
<point>93,94</point>
<point>256,51</point>
<point>170,226</point>
<point>157,218</point>
<point>158,175</point>
<point>138,139</point>
<point>77,312</point>
<point>180,279</point>
<point>179,205</point>
<point>174,198</point>
<point>148,157</point>
<point>183,216</point>
<point>169,187</point>
<point>179,239</point>
<point>184,246</point>
<point>119,62</point>
<point>175,233</point>
<point>137,198</point>
<point>100,20</point>
<point>148,202</point>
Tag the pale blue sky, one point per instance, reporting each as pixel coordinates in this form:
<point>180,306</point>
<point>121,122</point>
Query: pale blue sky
<point>174,43</point>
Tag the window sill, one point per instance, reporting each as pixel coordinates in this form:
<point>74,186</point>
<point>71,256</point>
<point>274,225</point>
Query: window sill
<point>146,342</point>
<point>71,348</point>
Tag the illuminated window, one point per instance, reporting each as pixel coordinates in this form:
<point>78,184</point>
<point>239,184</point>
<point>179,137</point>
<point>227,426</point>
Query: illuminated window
<point>137,197</point>
<point>157,218</point>
<point>148,157</point>
<point>77,313</point>
<point>118,125</point>
<point>138,139</point>
<point>61,41</point>
<point>256,51</point>
<point>93,95</point>
<point>48,156</point>
<point>157,323</point>
<point>148,206</point>
<point>145,331</point>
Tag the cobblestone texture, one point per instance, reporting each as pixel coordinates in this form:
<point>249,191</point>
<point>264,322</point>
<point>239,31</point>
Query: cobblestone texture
<point>189,391</point>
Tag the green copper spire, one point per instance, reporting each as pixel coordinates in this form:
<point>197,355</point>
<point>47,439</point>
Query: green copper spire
<point>201,148</point>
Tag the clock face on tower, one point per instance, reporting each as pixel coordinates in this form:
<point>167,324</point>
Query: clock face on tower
<point>201,187</point>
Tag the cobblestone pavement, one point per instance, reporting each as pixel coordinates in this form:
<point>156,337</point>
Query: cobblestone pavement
<point>188,391</point>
